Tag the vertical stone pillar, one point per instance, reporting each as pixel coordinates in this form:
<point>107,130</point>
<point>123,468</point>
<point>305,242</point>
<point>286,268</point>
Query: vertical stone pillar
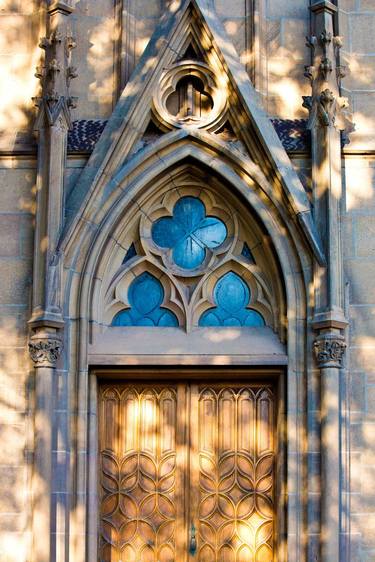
<point>328,122</point>
<point>329,349</point>
<point>52,124</point>
<point>44,348</point>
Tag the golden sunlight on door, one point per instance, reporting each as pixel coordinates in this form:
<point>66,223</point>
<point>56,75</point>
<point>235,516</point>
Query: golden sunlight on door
<point>186,473</point>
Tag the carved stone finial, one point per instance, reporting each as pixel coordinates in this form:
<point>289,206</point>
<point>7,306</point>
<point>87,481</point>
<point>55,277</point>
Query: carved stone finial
<point>45,349</point>
<point>327,108</point>
<point>329,350</point>
<point>56,72</point>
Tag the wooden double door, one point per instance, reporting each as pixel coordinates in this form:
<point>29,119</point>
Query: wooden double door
<point>186,472</point>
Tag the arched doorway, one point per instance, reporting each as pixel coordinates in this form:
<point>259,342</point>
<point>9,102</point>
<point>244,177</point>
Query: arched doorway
<point>112,336</point>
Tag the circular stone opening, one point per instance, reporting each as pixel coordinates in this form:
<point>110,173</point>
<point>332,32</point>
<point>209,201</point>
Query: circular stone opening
<point>189,102</point>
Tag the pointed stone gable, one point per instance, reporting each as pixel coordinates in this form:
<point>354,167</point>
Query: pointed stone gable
<point>192,30</point>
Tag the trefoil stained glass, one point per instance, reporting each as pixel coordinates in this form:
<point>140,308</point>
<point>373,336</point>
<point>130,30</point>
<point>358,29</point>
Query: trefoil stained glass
<point>145,297</point>
<point>231,295</point>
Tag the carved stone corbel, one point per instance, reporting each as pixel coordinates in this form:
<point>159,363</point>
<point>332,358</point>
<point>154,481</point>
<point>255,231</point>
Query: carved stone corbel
<point>45,349</point>
<point>329,350</point>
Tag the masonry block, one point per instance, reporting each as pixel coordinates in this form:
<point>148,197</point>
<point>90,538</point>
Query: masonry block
<point>362,33</point>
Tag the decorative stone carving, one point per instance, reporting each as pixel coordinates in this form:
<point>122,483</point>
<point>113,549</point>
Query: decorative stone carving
<point>326,107</point>
<point>52,124</point>
<point>45,349</point>
<point>189,95</point>
<point>192,219</point>
<point>57,72</point>
<point>329,350</point>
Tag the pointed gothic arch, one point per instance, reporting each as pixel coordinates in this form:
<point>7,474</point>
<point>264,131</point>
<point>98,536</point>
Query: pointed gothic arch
<point>253,173</point>
<point>90,253</point>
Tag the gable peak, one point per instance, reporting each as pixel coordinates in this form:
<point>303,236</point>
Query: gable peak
<point>192,94</point>
<point>192,52</point>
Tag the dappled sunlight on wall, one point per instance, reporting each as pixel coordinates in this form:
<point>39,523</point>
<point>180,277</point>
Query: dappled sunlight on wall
<point>14,474</point>
<point>100,62</point>
<point>362,446</point>
<point>93,57</point>
<point>19,55</point>
<point>364,135</point>
<point>111,40</point>
<point>287,101</point>
<point>356,26</point>
<point>362,71</point>
<point>286,56</point>
<point>286,87</point>
<point>13,548</point>
<point>17,203</point>
<point>359,180</point>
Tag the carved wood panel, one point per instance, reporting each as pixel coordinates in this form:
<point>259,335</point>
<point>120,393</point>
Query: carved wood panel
<point>138,427</point>
<point>234,448</point>
<point>186,473</point>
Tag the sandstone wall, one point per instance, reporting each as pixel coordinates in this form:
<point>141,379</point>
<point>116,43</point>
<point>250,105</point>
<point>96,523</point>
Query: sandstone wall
<point>359,265</point>
<point>104,66</point>
<point>17,180</point>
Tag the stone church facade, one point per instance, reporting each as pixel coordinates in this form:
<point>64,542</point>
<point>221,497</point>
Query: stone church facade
<point>187,264</point>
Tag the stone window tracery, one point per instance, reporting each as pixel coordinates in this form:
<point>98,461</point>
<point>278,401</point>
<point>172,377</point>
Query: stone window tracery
<point>190,94</point>
<point>190,260</point>
<point>146,295</point>
<point>232,296</point>
<point>189,234</point>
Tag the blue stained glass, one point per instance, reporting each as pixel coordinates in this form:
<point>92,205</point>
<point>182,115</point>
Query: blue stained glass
<point>131,253</point>
<point>145,295</point>
<point>231,295</point>
<point>189,232</point>
<point>246,253</point>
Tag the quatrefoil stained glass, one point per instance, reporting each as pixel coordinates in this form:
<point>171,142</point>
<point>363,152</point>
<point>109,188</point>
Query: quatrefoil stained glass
<point>231,295</point>
<point>189,233</point>
<point>145,296</point>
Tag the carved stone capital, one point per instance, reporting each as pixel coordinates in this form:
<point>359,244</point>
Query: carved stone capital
<point>45,349</point>
<point>329,350</point>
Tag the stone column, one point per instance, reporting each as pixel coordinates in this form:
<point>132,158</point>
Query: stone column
<point>329,349</point>
<point>44,347</point>
<point>52,124</point>
<point>329,123</point>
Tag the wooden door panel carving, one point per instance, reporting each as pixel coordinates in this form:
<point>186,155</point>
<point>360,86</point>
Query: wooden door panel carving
<point>186,473</point>
<point>235,511</point>
<point>138,474</point>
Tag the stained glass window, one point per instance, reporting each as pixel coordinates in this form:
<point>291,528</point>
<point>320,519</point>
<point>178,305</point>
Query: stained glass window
<point>231,295</point>
<point>189,233</point>
<point>246,253</point>
<point>130,254</point>
<point>145,297</point>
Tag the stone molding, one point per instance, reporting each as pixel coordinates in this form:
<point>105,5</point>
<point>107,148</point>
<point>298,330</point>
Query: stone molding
<point>45,349</point>
<point>329,350</point>
<point>85,133</point>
